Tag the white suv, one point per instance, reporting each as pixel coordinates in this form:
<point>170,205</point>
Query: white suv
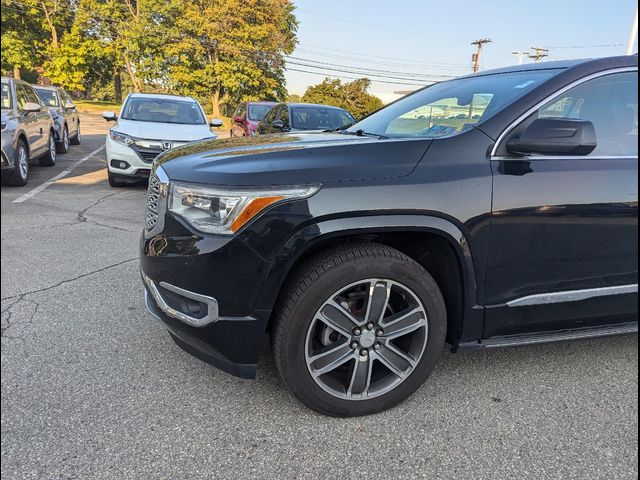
<point>148,125</point>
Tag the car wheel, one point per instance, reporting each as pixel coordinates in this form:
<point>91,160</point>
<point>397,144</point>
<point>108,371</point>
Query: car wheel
<point>63,145</point>
<point>49,158</point>
<point>20,174</point>
<point>358,330</point>
<point>75,140</point>
<point>113,180</point>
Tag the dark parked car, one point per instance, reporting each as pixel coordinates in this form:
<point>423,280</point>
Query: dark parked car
<point>362,252</point>
<point>27,132</point>
<point>298,117</point>
<point>247,117</point>
<point>65,116</point>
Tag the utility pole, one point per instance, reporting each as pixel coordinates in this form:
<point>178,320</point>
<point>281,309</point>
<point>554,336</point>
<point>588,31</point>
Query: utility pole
<point>475,58</point>
<point>520,56</point>
<point>632,35</point>
<point>539,53</point>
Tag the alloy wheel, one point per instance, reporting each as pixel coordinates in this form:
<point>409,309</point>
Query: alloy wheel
<point>65,138</point>
<point>23,162</point>
<point>366,339</point>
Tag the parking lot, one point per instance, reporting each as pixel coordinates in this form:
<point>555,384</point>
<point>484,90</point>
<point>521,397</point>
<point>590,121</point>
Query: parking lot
<point>93,387</point>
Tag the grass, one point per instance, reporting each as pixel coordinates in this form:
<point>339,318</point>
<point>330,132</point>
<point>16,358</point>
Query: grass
<point>86,106</point>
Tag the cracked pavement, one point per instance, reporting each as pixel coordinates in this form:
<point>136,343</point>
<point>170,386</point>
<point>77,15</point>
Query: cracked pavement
<point>93,387</point>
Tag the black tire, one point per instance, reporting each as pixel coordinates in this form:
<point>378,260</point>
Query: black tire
<point>17,177</point>
<point>49,158</point>
<point>75,140</point>
<point>63,145</point>
<point>113,180</point>
<point>310,287</point>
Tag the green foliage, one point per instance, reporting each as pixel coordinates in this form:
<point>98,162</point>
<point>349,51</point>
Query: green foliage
<point>353,96</point>
<point>232,49</point>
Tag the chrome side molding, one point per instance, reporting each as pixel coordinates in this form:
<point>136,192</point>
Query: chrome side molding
<point>211,303</point>
<point>572,296</point>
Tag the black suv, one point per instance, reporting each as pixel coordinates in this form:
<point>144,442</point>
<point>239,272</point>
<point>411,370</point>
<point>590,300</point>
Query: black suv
<point>493,210</point>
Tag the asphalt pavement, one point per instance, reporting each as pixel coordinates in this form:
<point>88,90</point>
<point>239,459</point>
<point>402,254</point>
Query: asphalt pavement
<point>93,387</point>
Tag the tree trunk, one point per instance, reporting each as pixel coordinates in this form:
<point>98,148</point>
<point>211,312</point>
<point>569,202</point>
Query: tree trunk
<point>215,103</point>
<point>16,72</point>
<point>117,85</point>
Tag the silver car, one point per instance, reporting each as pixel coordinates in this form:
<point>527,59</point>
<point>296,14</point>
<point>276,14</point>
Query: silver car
<point>27,132</point>
<point>64,114</point>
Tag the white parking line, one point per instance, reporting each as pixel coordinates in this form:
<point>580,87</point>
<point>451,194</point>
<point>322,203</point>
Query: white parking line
<point>62,174</point>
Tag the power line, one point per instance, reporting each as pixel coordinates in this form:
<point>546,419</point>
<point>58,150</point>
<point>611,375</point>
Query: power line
<point>326,75</point>
<point>405,74</point>
<point>475,58</point>
<point>538,53</point>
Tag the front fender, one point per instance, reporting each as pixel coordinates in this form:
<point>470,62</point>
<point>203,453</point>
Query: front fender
<point>310,237</point>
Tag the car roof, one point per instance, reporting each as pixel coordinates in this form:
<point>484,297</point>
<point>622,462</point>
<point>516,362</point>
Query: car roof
<point>46,87</point>
<point>165,96</point>
<point>606,62</point>
<point>261,103</point>
<point>316,105</point>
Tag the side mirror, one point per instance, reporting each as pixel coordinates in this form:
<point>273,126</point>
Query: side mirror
<point>216,123</point>
<point>278,125</point>
<point>109,116</point>
<point>31,107</point>
<point>555,136</point>
<point>238,119</point>
<point>69,106</point>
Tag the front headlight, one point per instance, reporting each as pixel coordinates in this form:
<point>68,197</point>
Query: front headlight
<point>121,138</point>
<point>224,212</point>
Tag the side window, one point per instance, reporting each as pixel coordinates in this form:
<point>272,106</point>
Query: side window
<point>65,97</point>
<point>31,94</point>
<point>271,116</point>
<point>22,94</point>
<point>611,104</point>
<point>284,115</point>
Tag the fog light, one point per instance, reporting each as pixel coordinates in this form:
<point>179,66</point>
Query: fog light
<point>121,164</point>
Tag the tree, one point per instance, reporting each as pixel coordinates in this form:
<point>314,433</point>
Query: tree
<point>22,38</point>
<point>353,96</point>
<point>232,48</point>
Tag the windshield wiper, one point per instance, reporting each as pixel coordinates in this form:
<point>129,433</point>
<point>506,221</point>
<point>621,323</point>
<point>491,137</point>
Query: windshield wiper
<point>362,133</point>
<point>340,128</point>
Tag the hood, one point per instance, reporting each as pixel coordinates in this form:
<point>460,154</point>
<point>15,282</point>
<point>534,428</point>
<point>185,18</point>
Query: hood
<point>302,158</point>
<point>163,131</point>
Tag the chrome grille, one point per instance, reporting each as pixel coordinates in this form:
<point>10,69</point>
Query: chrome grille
<point>153,198</point>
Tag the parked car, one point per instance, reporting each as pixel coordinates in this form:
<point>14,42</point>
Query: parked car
<point>361,252</point>
<point>299,117</point>
<point>247,117</point>
<point>64,113</point>
<point>27,132</point>
<point>148,125</point>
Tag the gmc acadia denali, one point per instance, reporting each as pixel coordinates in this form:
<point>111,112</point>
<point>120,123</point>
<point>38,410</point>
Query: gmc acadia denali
<point>493,210</point>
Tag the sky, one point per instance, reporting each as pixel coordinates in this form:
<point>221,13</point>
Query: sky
<point>408,43</point>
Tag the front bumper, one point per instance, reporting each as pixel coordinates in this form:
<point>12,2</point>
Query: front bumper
<point>204,290</point>
<point>116,152</point>
<point>7,151</point>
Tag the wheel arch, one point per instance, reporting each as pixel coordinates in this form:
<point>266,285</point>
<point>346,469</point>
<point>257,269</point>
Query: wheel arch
<point>434,242</point>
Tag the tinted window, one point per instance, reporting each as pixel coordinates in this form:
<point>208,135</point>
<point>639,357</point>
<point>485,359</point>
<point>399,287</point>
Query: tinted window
<point>258,112</point>
<point>48,97</point>
<point>270,116</point>
<point>611,104</point>
<point>161,110</point>
<point>451,107</point>
<point>318,118</point>
<point>6,95</point>
<point>25,94</point>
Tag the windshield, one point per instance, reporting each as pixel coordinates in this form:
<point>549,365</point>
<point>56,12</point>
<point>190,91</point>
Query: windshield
<point>319,118</point>
<point>162,110</point>
<point>6,95</point>
<point>258,112</point>
<point>451,107</point>
<point>48,97</point>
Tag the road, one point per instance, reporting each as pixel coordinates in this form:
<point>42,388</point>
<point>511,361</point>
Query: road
<point>93,387</point>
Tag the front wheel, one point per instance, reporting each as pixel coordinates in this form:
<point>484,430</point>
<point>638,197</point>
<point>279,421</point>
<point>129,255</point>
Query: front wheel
<point>63,144</point>
<point>20,174</point>
<point>75,140</point>
<point>359,329</point>
<point>49,158</point>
